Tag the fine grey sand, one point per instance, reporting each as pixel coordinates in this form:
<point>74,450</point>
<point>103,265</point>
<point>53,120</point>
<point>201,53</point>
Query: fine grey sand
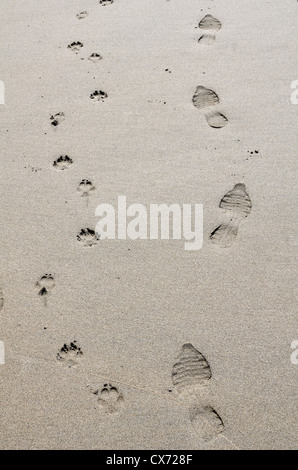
<point>99,103</point>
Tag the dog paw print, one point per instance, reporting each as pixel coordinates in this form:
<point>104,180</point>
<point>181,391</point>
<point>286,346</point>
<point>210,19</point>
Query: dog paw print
<point>110,398</point>
<point>75,46</point>
<point>56,119</point>
<point>45,284</point>
<point>95,57</point>
<point>69,354</point>
<point>82,15</point>
<point>62,163</point>
<point>85,188</point>
<point>87,237</point>
<point>98,95</point>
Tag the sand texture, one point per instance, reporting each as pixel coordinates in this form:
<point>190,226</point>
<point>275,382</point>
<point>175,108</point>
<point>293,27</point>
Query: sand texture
<point>141,344</point>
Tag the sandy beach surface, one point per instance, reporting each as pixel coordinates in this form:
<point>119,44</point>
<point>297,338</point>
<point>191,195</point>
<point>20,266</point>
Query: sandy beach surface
<point>141,344</point>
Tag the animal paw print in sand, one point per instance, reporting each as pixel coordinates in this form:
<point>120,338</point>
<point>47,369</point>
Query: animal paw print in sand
<point>106,2</point>
<point>211,25</point>
<point>56,119</point>
<point>87,237</point>
<point>238,206</point>
<point>203,99</point>
<point>98,95</point>
<point>110,398</point>
<point>45,284</point>
<point>191,373</point>
<point>82,15</point>
<point>75,46</point>
<point>85,188</point>
<point>62,163</point>
<point>69,354</point>
<point>95,57</point>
